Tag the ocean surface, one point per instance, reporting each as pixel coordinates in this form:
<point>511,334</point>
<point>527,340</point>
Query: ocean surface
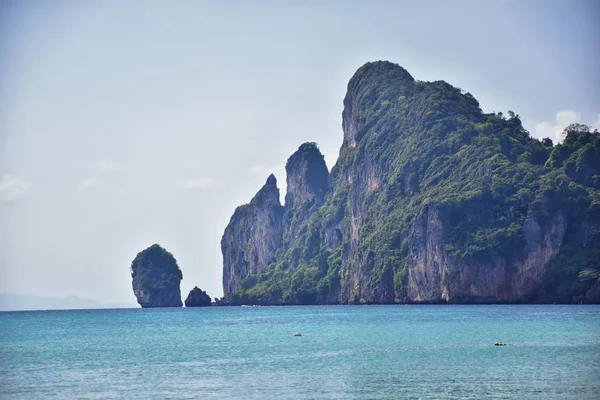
<point>345,352</point>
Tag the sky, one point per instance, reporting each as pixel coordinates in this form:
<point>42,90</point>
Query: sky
<point>124,124</point>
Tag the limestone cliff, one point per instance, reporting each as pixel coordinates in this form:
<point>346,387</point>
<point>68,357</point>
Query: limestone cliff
<point>436,276</point>
<point>253,235</point>
<point>307,184</point>
<point>156,278</point>
<point>431,200</point>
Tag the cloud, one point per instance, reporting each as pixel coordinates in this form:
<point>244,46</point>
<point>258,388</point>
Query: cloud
<point>567,117</point>
<point>107,166</point>
<point>88,182</point>
<point>553,129</point>
<point>100,170</point>
<point>263,169</point>
<point>13,188</point>
<point>200,183</point>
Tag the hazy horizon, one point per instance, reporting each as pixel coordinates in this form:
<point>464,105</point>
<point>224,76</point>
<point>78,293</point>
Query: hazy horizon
<point>128,124</point>
<point>21,302</point>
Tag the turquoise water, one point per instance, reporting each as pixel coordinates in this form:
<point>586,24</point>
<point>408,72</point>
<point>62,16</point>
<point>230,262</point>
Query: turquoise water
<point>345,352</point>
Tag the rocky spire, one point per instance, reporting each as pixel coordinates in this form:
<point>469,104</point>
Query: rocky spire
<point>252,236</point>
<point>307,178</point>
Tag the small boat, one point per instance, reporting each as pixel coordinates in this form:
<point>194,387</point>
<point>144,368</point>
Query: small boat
<point>297,334</point>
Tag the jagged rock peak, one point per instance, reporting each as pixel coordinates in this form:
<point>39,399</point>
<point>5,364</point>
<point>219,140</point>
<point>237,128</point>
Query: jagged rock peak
<point>271,181</point>
<point>269,193</point>
<point>252,236</point>
<point>307,176</point>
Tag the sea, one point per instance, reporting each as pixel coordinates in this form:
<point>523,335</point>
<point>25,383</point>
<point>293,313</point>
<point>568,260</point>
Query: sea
<point>344,352</point>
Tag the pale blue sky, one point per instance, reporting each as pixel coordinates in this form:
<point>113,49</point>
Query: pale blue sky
<point>123,124</point>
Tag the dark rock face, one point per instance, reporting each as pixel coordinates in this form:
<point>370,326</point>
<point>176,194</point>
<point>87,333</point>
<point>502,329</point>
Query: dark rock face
<point>593,294</point>
<point>252,236</point>
<point>156,278</point>
<point>197,298</point>
<point>307,184</point>
<point>307,179</point>
<point>431,200</point>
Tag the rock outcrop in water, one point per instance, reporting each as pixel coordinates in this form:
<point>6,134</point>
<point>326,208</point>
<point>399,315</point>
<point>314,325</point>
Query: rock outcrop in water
<point>431,200</point>
<point>156,278</point>
<point>197,298</point>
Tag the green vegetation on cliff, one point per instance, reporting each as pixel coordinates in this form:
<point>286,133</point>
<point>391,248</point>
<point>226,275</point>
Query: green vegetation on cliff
<point>418,155</point>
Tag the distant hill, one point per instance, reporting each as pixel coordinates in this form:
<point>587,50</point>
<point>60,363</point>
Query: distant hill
<point>14,302</point>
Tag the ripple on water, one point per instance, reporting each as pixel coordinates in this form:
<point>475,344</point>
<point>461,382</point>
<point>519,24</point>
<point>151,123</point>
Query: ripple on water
<point>344,352</point>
